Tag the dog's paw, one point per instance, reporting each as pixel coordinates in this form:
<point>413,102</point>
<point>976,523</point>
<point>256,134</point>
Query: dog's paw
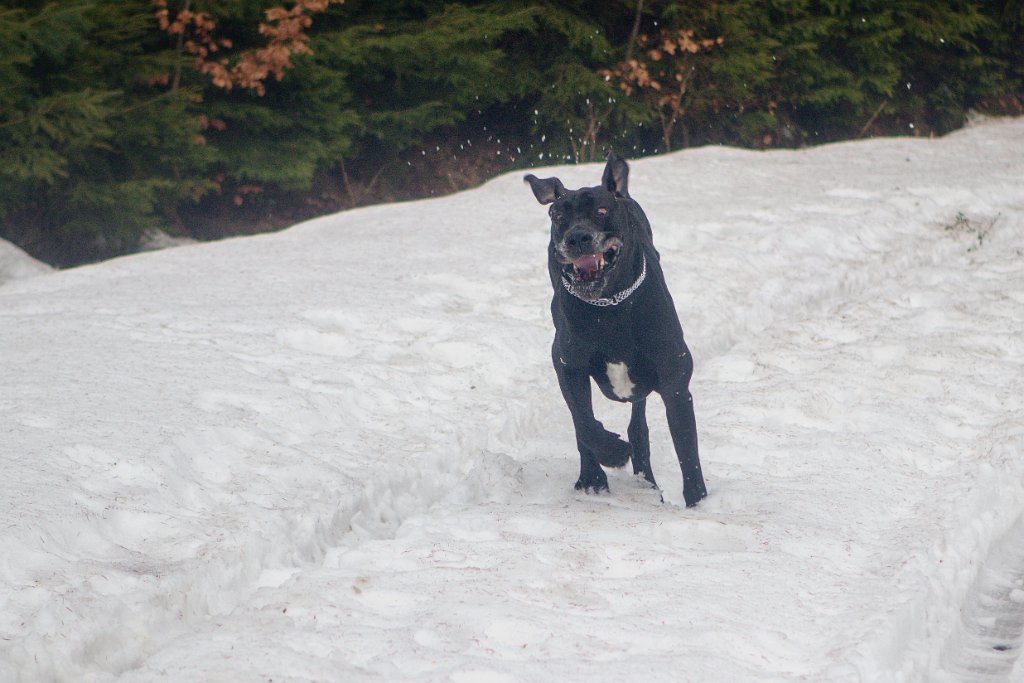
<point>612,451</point>
<point>694,494</point>
<point>592,482</point>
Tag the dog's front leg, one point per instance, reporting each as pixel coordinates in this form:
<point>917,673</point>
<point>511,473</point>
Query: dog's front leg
<point>597,445</point>
<point>682,424</point>
<point>640,442</point>
<point>592,477</point>
<point>575,386</point>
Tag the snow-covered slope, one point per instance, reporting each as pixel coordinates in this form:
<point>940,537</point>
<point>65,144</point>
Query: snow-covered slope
<point>339,453</point>
<point>16,264</point>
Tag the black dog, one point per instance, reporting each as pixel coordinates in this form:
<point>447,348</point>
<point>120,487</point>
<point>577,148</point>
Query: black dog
<point>615,321</point>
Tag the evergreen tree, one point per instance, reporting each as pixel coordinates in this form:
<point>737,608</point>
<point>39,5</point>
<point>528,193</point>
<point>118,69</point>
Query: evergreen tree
<point>208,117</point>
<point>93,154</point>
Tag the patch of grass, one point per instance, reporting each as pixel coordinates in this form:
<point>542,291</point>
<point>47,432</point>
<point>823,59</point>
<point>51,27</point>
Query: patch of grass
<point>978,229</point>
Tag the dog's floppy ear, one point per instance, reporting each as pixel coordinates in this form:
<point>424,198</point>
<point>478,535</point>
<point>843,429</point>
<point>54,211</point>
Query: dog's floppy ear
<point>616,176</point>
<point>546,190</point>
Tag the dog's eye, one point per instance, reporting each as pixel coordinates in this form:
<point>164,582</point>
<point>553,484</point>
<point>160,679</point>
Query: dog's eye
<point>602,211</point>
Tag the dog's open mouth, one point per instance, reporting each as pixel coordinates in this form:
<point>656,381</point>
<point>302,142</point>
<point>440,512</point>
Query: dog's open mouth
<point>589,267</point>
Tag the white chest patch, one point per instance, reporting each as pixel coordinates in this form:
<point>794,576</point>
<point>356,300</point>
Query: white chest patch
<point>618,375</point>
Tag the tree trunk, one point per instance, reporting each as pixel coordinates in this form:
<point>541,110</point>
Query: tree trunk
<point>177,48</point>
<point>636,30</point>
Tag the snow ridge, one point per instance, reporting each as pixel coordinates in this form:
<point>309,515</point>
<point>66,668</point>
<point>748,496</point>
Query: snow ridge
<point>989,636</point>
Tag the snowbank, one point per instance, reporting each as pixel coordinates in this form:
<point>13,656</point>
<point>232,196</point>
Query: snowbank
<point>16,264</point>
<point>339,453</point>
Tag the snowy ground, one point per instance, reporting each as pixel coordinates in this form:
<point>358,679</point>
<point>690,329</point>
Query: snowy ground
<point>338,453</point>
<point>16,264</point>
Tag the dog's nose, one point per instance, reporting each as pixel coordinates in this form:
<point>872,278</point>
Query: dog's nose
<point>581,240</point>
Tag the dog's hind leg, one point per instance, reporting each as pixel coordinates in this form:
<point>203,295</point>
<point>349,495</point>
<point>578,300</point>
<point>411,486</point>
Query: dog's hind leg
<point>683,426</point>
<point>640,442</point>
<point>592,477</point>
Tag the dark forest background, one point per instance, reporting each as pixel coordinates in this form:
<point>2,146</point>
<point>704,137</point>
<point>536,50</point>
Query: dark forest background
<point>205,119</point>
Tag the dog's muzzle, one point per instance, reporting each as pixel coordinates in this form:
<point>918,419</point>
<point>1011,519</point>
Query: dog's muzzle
<point>587,267</point>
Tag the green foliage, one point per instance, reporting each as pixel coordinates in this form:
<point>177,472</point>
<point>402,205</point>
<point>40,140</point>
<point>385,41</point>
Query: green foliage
<point>580,114</point>
<point>92,155</point>
<point>795,71</point>
<point>429,74</point>
<point>41,125</point>
<point>264,142</point>
<point>108,127</point>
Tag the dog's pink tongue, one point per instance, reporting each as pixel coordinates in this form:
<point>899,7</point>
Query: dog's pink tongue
<point>588,265</point>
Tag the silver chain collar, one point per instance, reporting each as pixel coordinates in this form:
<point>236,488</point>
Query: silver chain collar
<point>612,300</point>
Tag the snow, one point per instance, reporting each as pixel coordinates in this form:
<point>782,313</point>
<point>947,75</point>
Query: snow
<point>16,264</point>
<point>154,240</point>
<point>339,452</point>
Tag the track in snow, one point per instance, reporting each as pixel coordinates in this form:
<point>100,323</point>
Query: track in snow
<point>987,641</point>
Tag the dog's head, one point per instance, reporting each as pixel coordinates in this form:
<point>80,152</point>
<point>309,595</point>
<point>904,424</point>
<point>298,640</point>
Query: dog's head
<point>591,230</point>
